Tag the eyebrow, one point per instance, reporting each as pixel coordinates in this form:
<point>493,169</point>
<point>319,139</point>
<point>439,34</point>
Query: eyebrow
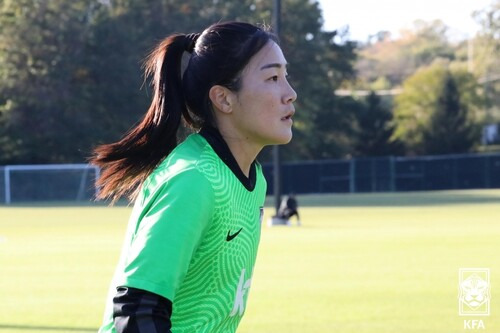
<point>274,65</point>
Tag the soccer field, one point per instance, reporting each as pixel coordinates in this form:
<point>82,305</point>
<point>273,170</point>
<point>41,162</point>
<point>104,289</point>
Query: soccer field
<point>360,263</point>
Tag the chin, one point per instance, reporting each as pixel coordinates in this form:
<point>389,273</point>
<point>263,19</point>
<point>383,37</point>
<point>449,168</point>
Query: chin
<point>283,139</point>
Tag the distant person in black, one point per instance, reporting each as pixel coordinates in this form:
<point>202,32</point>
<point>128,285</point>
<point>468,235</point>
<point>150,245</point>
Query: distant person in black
<point>289,208</point>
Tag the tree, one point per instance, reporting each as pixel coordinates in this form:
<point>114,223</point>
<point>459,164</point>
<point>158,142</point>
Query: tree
<point>449,129</point>
<point>485,54</point>
<point>375,129</point>
<point>431,104</point>
<point>42,47</point>
<point>318,60</point>
<point>397,59</point>
<point>486,44</point>
<point>71,71</point>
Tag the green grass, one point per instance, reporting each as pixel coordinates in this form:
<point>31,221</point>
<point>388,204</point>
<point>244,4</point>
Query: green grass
<point>360,263</point>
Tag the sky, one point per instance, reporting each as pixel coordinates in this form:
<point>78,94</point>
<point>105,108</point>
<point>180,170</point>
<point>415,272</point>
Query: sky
<point>367,17</point>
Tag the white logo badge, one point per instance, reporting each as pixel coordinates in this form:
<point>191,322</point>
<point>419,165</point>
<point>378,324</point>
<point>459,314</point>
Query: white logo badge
<point>474,292</point>
<point>239,301</point>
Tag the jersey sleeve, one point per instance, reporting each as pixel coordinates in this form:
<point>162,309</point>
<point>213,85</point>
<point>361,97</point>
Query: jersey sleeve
<point>168,233</point>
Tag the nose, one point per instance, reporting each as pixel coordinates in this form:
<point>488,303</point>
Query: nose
<point>290,95</point>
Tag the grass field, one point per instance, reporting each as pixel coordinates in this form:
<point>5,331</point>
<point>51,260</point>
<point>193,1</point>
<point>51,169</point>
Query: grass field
<point>360,263</point>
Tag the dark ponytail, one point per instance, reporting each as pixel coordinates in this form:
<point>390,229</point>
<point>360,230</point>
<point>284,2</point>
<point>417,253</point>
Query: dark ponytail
<point>126,163</point>
<point>219,55</point>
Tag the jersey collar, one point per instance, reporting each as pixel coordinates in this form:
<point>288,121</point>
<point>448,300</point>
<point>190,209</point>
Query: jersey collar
<point>216,141</point>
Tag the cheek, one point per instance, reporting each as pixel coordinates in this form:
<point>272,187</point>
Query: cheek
<point>267,102</point>
<point>267,113</point>
<point>261,106</point>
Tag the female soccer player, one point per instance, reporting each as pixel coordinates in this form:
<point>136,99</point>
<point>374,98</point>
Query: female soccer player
<point>191,242</point>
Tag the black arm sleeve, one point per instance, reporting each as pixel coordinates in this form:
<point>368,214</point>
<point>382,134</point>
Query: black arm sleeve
<point>139,311</point>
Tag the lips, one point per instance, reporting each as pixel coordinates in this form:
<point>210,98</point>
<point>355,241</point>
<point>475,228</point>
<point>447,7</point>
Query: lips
<point>289,115</point>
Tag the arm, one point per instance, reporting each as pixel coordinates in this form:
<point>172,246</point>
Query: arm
<point>139,311</point>
<point>159,253</point>
<point>167,235</point>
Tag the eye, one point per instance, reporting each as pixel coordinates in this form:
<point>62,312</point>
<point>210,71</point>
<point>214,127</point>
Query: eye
<point>274,78</point>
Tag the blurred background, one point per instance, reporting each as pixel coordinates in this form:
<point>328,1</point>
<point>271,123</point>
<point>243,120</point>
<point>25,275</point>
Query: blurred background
<point>71,74</point>
<point>398,85</point>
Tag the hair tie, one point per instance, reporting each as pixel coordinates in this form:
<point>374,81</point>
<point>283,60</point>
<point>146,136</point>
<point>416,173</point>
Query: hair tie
<point>190,42</point>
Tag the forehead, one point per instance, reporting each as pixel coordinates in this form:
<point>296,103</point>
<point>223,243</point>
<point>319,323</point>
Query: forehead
<point>270,54</point>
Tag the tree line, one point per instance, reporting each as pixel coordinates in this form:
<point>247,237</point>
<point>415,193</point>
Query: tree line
<point>71,78</point>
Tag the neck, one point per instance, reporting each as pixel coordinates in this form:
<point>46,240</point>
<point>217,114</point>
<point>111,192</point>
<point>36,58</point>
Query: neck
<point>243,151</point>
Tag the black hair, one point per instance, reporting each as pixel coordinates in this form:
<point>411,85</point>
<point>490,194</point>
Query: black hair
<point>217,57</point>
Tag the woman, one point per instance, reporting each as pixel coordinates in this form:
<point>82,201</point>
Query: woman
<point>191,243</point>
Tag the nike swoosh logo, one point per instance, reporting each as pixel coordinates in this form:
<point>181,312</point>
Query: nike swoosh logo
<point>231,237</point>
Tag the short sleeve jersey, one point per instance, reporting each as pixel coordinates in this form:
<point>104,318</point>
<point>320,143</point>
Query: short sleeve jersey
<point>193,236</point>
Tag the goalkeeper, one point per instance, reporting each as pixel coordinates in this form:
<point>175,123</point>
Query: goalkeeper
<point>189,251</point>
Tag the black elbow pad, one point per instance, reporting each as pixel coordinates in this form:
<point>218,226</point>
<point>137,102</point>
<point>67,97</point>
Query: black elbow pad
<point>140,311</point>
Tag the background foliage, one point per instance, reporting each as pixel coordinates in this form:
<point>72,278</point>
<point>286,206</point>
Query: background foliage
<point>71,77</point>
<point>71,71</point>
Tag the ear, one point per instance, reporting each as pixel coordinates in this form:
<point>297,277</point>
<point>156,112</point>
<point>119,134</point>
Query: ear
<point>221,98</point>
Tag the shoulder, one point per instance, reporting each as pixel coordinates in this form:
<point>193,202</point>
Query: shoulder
<point>184,195</point>
<point>184,182</point>
<point>261,179</point>
<point>179,172</point>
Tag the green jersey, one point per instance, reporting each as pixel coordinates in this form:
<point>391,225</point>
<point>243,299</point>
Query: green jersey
<point>193,236</point>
